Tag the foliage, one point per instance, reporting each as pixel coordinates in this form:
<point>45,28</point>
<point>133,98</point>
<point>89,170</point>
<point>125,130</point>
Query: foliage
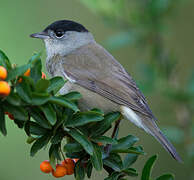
<point>55,121</point>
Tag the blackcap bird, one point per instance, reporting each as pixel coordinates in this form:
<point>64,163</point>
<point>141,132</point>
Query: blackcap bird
<point>73,53</point>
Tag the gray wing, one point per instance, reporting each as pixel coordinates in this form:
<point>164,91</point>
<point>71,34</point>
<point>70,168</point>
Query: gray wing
<point>93,68</point>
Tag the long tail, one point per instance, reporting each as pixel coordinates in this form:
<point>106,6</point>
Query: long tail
<point>150,126</point>
<point>166,143</point>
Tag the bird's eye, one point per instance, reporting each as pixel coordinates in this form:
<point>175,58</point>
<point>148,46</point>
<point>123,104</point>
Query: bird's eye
<point>59,34</point>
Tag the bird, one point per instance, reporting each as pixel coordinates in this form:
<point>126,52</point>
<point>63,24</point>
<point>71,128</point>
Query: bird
<point>90,69</point>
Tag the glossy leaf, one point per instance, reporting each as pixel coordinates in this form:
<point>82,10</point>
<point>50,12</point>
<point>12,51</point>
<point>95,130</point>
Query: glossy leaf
<point>105,124</point>
<point>146,173</point>
<point>36,129</point>
<point>73,96</point>
<point>39,144</point>
<point>64,102</point>
<point>57,138</point>
<point>18,112</point>
<point>39,98</point>
<point>130,172</point>
<point>165,177</point>
<point>114,161</point>
<point>42,85</point>
<point>36,67</point>
<point>14,99</point>
<point>73,147</point>
<point>129,160</point>
<point>2,122</point>
<point>113,176</point>
<point>83,140</point>
<point>125,143</point>
<point>83,118</point>
<point>39,118</point>
<point>4,61</point>
<point>79,171</point>
<point>96,158</point>
<point>49,113</point>
<point>56,84</point>
<point>89,169</point>
<point>104,139</point>
<point>24,91</point>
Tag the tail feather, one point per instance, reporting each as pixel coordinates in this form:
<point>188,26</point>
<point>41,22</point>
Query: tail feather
<point>166,144</point>
<point>149,125</point>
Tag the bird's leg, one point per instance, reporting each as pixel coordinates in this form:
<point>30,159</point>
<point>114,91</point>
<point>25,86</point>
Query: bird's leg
<point>114,135</point>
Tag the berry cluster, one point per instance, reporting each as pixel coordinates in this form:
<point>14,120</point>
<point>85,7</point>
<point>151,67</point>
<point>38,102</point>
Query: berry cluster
<point>66,167</point>
<point>4,86</point>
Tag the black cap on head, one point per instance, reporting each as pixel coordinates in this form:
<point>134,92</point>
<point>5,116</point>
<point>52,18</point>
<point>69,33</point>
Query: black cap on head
<point>66,25</point>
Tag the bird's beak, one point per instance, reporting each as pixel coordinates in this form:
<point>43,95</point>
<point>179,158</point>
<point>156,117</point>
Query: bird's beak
<point>40,35</point>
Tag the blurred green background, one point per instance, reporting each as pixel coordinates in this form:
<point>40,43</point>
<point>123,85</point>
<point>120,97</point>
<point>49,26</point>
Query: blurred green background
<point>173,109</point>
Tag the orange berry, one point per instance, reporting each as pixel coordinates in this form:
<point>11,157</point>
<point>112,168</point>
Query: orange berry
<point>43,76</point>
<point>27,73</point>
<point>4,88</point>
<point>99,144</point>
<point>46,167</point>
<point>60,171</point>
<point>3,73</point>
<point>70,165</point>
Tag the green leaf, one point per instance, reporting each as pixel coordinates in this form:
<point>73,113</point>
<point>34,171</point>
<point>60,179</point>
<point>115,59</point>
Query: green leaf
<point>114,161</point>
<point>57,138</point>
<point>39,98</point>
<point>42,85</point>
<point>36,70</point>
<point>56,84</point>
<point>73,147</point>
<point>125,143</point>
<point>24,91</point>
<point>96,158</point>
<point>39,118</point>
<point>83,140</point>
<point>98,111</point>
<point>55,151</point>
<point>105,124</point>
<point>27,128</point>
<point>79,171</point>
<point>4,61</point>
<point>133,150</point>
<point>64,102</point>
<point>166,177</point>
<point>83,118</point>
<point>130,172</point>
<point>104,139</point>
<point>89,169</point>
<point>17,71</point>
<point>129,160</point>
<point>2,122</point>
<point>113,176</point>
<point>39,144</point>
<point>36,129</point>
<point>18,112</point>
<point>49,113</point>
<point>14,99</point>
<point>146,173</point>
<point>73,96</point>
<point>30,140</point>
